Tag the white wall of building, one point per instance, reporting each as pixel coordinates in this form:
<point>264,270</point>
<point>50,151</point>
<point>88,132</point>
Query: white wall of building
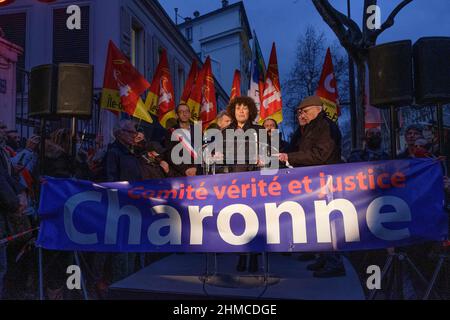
<point>223,37</point>
<point>109,20</point>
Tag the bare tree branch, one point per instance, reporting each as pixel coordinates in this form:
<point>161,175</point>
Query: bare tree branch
<point>389,21</point>
<point>334,19</point>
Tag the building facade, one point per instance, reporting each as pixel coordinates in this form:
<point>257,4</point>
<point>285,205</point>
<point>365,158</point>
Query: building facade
<point>140,28</point>
<point>224,35</point>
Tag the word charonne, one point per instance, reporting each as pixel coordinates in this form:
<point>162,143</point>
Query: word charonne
<point>171,218</point>
<point>356,206</point>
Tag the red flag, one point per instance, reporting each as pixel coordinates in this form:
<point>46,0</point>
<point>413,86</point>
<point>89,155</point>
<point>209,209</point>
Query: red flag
<point>208,110</point>
<point>193,72</point>
<point>236,87</point>
<point>162,89</point>
<point>123,85</point>
<point>272,103</point>
<point>327,88</point>
<point>195,98</point>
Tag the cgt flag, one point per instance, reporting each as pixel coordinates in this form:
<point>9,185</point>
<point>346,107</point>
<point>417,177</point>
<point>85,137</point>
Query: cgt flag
<point>236,87</point>
<point>209,103</point>
<point>195,98</point>
<point>193,72</point>
<point>161,99</point>
<point>258,74</point>
<point>123,85</point>
<point>272,103</point>
<point>327,89</point>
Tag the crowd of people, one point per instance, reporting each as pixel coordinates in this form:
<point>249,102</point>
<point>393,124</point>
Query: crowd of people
<point>133,156</point>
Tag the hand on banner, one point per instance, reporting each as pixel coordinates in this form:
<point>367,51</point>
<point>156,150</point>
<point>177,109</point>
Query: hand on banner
<point>283,157</point>
<point>191,172</point>
<point>165,166</point>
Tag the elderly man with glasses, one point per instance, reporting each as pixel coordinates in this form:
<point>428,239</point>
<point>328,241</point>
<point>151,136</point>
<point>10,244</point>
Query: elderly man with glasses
<point>319,139</point>
<point>317,142</point>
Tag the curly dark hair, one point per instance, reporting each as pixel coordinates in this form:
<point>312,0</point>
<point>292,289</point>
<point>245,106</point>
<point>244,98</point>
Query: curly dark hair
<point>246,101</point>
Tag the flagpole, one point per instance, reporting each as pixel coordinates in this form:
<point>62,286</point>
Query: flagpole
<point>351,76</point>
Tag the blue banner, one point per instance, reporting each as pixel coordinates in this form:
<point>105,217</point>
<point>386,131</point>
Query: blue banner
<point>341,207</point>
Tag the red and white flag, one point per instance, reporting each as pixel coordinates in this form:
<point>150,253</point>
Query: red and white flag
<point>327,89</point>
<point>208,107</point>
<point>272,103</point>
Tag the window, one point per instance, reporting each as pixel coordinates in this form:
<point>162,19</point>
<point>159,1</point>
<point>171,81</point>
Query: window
<point>14,27</point>
<point>188,33</point>
<point>70,45</point>
<point>137,47</point>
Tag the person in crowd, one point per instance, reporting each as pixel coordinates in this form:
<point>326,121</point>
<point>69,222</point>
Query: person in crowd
<point>243,113</point>
<point>13,140</point>
<point>123,164</point>
<point>151,163</point>
<point>12,204</point>
<point>372,150</point>
<point>25,162</point>
<point>58,163</point>
<point>270,125</point>
<point>182,133</point>
<point>223,120</point>
<point>412,133</point>
<point>319,143</point>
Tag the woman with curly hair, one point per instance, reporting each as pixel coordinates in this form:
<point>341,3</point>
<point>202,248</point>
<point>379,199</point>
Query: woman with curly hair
<point>243,113</point>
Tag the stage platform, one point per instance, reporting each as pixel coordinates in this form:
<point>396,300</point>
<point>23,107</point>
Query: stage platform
<point>182,276</point>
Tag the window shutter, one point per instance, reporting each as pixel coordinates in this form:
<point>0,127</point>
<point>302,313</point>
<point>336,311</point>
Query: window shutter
<point>70,45</point>
<point>125,32</point>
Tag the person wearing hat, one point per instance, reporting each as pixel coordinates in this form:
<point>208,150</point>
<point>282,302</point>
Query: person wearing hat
<point>317,142</point>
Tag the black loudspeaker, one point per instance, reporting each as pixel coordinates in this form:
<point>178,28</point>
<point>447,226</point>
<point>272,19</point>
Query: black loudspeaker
<point>65,90</point>
<point>390,68</point>
<point>42,91</point>
<point>432,70</point>
<point>75,85</point>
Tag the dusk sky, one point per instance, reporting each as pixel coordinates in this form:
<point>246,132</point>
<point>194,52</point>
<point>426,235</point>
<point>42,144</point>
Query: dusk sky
<point>283,21</point>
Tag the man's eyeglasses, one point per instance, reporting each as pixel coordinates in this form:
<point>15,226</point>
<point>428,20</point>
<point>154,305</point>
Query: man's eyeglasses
<point>304,111</point>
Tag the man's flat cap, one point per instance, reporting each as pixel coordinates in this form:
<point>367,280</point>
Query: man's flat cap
<point>310,101</point>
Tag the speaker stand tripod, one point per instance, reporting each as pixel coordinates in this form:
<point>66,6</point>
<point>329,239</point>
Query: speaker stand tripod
<point>393,272</point>
<point>443,259</point>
